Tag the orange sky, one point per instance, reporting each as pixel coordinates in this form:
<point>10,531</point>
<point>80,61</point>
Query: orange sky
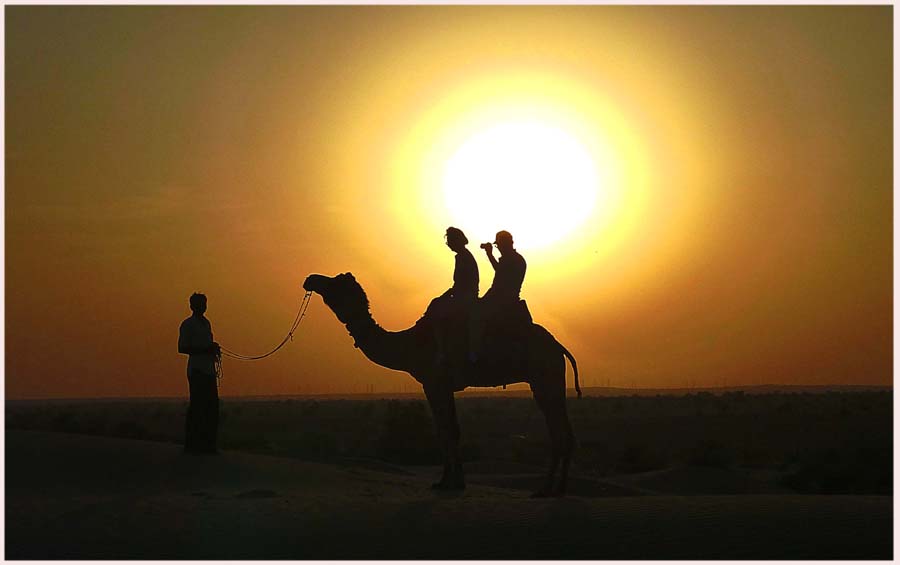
<point>156,151</point>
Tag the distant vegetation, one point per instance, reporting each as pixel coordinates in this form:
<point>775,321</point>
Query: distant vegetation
<point>830,443</point>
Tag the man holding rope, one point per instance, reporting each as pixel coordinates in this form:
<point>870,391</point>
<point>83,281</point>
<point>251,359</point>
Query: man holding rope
<point>195,339</point>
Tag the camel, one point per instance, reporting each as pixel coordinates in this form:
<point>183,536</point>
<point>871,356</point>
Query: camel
<point>540,363</point>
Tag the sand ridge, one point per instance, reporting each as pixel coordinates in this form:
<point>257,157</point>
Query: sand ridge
<point>82,497</point>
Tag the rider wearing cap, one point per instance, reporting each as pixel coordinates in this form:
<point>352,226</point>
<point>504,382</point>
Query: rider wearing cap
<point>509,273</point>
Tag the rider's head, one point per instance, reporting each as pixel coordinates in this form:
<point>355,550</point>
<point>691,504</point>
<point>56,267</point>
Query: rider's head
<point>504,241</point>
<point>198,303</point>
<point>456,239</point>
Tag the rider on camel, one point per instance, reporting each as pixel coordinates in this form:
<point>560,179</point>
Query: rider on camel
<point>509,273</point>
<point>452,308</point>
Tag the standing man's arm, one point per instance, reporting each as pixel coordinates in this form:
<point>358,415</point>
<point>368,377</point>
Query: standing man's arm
<point>184,341</point>
<point>213,347</point>
<point>186,347</point>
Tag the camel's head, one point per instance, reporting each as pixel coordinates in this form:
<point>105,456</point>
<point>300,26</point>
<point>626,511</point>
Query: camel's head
<point>341,293</point>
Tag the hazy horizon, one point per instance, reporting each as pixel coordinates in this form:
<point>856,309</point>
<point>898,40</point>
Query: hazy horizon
<point>516,390</point>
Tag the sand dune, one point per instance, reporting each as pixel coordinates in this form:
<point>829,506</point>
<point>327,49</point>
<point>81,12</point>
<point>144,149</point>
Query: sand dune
<point>81,497</point>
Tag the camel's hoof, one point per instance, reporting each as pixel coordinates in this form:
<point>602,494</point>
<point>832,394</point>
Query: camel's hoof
<point>448,486</point>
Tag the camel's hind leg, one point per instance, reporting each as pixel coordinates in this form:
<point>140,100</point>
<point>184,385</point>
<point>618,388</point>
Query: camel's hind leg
<point>550,395</point>
<point>443,410</point>
<point>542,398</point>
<point>568,447</point>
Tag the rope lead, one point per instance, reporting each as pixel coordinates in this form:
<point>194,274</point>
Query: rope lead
<point>304,304</point>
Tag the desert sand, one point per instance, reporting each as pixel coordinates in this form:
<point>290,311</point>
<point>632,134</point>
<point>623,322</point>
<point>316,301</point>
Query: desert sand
<point>81,497</point>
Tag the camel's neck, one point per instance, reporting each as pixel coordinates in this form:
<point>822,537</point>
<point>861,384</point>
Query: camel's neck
<point>395,350</point>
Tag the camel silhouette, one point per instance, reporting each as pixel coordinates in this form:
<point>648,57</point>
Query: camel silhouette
<point>541,363</point>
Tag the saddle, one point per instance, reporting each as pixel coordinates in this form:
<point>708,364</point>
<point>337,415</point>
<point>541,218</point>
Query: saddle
<point>504,334</point>
<point>510,323</point>
<point>505,338</point>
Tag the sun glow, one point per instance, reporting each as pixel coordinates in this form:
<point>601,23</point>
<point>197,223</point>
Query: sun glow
<point>560,163</point>
<point>530,178</point>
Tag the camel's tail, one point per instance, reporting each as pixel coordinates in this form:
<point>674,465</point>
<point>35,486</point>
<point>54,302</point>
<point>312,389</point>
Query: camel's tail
<point>574,367</point>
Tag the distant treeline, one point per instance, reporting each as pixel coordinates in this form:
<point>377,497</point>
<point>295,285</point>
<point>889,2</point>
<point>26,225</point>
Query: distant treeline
<point>807,442</point>
<point>515,390</point>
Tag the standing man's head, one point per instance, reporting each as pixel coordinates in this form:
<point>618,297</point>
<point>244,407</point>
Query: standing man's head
<point>198,303</point>
<point>456,239</point>
<point>504,241</point>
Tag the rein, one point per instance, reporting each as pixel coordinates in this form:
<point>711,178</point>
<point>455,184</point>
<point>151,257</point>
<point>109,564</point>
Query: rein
<point>304,304</point>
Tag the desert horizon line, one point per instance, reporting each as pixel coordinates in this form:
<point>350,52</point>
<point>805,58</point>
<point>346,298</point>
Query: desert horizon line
<point>488,391</point>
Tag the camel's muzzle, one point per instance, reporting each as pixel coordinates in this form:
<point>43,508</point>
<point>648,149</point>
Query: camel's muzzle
<point>315,283</point>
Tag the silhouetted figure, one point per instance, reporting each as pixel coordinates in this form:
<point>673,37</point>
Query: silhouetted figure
<point>509,273</point>
<point>451,309</point>
<point>195,339</point>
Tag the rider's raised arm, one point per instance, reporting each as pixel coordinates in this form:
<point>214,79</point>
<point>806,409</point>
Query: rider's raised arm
<point>489,250</point>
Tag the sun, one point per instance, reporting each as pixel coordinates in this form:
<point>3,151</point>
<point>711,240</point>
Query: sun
<point>531,178</point>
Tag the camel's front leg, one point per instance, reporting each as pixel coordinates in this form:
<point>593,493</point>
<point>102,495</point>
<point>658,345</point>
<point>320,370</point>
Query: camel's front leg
<point>443,410</point>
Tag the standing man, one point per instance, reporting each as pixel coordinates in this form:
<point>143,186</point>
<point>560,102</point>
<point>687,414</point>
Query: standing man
<point>509,273</point>
<point>195,339</point>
